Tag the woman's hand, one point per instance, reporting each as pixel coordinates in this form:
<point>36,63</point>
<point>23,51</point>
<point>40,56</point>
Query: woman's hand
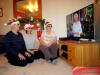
<point>32,52</point>
<point>35,50</point>
<point>53,41</point>
<point>27,54</point>
<point>49,44</point>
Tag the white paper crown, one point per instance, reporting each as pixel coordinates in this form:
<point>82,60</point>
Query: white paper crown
<point>47,23</point>
<point>28,25</point>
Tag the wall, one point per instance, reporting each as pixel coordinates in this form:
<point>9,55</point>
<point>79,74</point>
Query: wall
<point>7,6</point>
<point>56,11</point>
<point>97,20</point>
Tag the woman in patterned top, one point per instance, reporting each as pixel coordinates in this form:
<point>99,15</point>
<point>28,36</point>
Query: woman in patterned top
<point>48,44</point>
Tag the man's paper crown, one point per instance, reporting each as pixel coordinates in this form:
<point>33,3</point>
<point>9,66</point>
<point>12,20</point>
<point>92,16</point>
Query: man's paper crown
<point>12,22</point>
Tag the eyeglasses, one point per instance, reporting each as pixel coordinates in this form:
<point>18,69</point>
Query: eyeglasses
<point>29,28</point>
<point>49,26</point>
<point>17,24</point>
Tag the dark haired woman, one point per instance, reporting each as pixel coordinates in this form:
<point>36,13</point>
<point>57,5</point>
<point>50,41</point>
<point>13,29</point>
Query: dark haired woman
<point>30,41</point>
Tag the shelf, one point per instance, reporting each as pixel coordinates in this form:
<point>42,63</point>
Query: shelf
<point>82,54</point>
<point>66,60</point>
<point>64,51</point>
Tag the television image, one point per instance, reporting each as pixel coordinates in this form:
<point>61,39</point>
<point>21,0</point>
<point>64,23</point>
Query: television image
<point>80,24</point>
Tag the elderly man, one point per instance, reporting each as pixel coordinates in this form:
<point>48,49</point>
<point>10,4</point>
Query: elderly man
<point>15,47</point>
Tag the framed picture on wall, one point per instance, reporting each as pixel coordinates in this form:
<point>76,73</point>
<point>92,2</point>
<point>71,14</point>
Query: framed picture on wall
<point>1,12</point>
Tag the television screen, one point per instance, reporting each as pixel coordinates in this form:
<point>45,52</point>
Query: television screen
<point>81,23</point>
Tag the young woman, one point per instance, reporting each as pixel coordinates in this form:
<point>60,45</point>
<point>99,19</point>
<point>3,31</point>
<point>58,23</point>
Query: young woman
<point>30,40</point>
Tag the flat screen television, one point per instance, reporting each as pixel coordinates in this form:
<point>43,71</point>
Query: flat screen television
<point>80,24</point>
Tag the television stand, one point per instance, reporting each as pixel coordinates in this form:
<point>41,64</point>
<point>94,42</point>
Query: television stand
<point>77,53</point>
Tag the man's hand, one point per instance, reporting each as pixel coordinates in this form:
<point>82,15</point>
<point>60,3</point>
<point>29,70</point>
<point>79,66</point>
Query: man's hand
<point>27,54</point>
<point>21,57</point>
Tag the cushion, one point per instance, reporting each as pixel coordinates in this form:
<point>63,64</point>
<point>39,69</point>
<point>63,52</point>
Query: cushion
<point>2,44</point>
<point>86,71</point>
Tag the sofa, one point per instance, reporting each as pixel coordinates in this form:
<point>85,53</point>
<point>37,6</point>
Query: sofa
<point>2,44</point>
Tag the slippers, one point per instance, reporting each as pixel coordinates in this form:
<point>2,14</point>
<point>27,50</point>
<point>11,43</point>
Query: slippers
<point>54,62</point>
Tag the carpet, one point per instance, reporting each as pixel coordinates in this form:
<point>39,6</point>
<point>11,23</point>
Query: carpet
<point>38,67</point>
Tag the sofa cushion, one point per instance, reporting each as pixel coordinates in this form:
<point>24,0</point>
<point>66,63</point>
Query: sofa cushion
<point>2,44</point>
<point>86,71</point>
